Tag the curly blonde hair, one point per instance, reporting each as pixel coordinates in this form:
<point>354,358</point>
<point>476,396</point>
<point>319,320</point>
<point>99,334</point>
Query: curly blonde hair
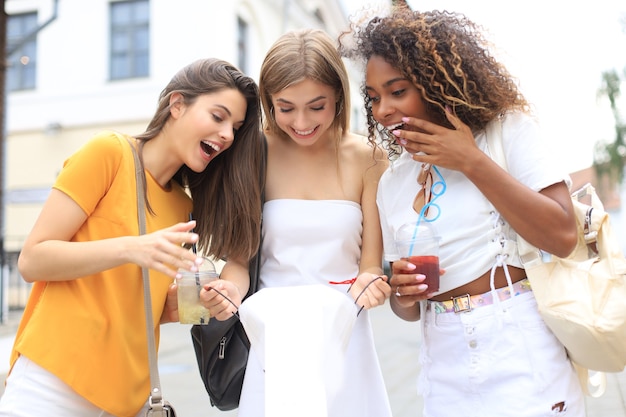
<point>446,56</point>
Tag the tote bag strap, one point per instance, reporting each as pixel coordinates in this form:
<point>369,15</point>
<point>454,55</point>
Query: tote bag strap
<point>493,131</point>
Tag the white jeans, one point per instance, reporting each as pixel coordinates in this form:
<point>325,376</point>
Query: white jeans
<point>496,361</point>
<point>31,391</point>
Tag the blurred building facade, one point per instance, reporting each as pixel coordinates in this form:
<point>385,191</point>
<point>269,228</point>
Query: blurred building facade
<point>101,64</point>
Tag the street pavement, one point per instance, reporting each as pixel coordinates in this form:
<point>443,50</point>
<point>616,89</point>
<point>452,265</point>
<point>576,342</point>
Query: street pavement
<point>397,343</point>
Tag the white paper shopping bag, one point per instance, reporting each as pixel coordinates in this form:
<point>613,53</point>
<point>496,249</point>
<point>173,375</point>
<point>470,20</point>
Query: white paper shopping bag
<point>300,335</point>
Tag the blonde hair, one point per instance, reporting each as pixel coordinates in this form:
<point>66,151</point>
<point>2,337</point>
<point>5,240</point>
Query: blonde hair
<point>297,56</point>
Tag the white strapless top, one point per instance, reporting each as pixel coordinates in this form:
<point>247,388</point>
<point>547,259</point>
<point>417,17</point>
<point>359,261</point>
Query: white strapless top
<point>310,242</point>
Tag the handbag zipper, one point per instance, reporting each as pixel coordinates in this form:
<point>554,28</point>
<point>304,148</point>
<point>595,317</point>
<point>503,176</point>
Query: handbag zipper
<point>222,347</point>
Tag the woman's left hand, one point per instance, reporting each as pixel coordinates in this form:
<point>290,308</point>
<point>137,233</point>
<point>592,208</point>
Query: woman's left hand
<point>376,290</point>
<point>170,310</point>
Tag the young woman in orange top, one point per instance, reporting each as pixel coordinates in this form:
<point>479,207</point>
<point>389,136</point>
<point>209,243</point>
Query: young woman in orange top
<point>81,348</point>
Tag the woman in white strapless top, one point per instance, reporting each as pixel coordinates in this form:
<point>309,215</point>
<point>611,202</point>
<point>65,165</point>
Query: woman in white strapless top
<point>320,224</point>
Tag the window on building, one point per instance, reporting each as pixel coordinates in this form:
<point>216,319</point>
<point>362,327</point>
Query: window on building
<point>242,45</point>
<point>22,51</point>
<point>130,39</point>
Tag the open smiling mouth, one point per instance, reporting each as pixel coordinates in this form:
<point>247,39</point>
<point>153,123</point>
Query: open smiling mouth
<point>304,132</point>
<point>389,129</point>
<point>209,148</point>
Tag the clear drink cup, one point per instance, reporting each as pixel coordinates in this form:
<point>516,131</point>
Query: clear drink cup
<point>190,310</point>
<point>419,245</point>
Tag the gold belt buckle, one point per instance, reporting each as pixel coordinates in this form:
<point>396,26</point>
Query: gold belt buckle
<point>462,304</point>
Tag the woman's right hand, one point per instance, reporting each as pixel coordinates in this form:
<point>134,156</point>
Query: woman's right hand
<point>165,250</point>
<point>50,254</point>
<point>407,288</point>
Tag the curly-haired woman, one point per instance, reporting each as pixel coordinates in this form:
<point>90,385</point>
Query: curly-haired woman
<point>431,88</point>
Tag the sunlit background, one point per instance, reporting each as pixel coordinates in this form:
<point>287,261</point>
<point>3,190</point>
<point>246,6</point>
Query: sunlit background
<point>74,67</point>
<point>558,51</point>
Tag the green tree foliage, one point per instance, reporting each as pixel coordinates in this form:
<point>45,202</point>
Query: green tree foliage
<point>610,157</point>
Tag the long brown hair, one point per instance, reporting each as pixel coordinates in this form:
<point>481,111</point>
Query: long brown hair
<point>227,194</point>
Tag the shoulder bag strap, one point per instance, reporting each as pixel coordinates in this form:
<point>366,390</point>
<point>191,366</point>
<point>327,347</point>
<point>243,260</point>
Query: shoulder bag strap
<point>156,397</point>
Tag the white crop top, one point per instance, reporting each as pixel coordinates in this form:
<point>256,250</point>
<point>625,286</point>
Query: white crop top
<point>472,235</point>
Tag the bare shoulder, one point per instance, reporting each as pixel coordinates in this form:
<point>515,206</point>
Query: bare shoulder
<point>369,157</point>
<point>358,145</point>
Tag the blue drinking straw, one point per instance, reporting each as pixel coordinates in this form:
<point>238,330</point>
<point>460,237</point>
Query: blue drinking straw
<point>422,215</point>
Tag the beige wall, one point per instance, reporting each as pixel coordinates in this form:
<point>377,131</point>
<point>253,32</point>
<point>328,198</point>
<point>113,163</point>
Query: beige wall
<point>34,163</point>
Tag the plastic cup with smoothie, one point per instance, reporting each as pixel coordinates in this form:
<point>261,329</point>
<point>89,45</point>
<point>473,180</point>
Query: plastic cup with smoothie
<point>190,310</point>
<point>418,243</point>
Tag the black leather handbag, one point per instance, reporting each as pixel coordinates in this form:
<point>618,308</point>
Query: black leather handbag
<point>222,349</point>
